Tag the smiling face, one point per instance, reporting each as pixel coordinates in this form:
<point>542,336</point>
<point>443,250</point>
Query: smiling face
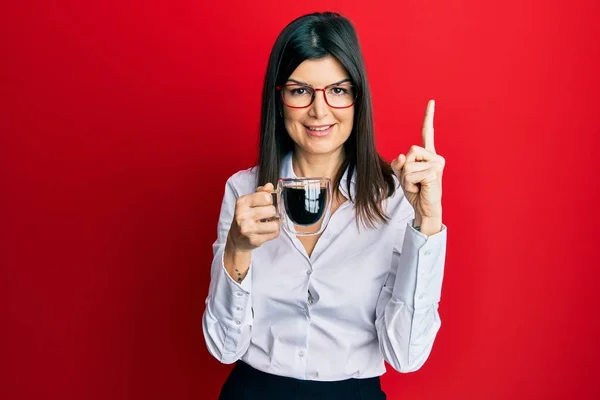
<point>319,128</point>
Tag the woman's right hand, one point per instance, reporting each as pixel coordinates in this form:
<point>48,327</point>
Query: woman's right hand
<point>247,232</point>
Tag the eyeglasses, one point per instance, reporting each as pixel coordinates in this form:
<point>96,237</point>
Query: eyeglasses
<point>337,95</point>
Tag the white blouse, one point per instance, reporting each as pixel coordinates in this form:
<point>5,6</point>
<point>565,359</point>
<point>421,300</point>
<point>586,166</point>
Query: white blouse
<point>359,299</point>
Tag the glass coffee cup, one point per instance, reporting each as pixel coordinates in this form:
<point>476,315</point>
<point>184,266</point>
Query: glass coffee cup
<point>303,205</point>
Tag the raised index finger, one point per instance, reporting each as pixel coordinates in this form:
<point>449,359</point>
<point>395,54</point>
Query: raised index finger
<point>428,143</point>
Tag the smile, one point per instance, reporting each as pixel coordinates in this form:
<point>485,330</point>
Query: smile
<point>318,131</point>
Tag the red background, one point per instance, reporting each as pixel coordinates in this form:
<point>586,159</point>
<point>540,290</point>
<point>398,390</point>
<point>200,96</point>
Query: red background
<point>119,127</point>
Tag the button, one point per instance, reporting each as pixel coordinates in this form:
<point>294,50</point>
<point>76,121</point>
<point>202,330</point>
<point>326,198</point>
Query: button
<point>239,308</point>
<point>421,296</point>
<point>426,252</point>
<point>308,272</point>
<point>239,294</point>
<point>301,353</point>
<point>237,322</point>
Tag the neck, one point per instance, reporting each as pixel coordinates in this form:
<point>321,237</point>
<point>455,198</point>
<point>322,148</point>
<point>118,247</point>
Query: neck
<point>321,165</point>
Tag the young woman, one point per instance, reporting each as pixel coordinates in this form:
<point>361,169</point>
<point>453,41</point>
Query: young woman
<point>316,316</point>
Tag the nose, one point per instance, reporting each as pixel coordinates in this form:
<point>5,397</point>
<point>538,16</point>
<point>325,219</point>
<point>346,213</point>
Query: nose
<point>319,108</point>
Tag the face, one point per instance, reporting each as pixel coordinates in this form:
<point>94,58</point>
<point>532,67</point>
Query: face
<point>319,128</point>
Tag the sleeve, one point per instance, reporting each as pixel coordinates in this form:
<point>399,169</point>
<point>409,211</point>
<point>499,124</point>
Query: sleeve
<point>227,319</point>
<point>407,317</point>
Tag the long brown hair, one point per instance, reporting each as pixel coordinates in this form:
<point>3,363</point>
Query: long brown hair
<point>314,36</point>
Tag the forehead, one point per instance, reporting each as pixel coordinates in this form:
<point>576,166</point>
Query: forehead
<point>320,72</point>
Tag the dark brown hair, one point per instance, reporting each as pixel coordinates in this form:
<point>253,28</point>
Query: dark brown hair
<point>314,36</point>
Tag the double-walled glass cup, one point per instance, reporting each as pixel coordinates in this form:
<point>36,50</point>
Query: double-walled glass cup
<point>303,205</point>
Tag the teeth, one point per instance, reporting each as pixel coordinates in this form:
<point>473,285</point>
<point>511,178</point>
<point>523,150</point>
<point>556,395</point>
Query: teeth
<point>320,129</point>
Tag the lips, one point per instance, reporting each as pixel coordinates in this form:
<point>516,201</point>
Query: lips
<point>318,130</point>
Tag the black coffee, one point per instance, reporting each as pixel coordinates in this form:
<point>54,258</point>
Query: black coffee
<point>304,206</point>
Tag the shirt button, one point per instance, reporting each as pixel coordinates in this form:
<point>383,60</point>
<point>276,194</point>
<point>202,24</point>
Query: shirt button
<point>308,272</point>
<point>426,252</point>
<point>301,353</point>
<point>239,308</point>
<point>239,294</point>
<point>237,322</point>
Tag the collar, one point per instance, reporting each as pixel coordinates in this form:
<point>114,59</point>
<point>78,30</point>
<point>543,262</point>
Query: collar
<point>286,170</point>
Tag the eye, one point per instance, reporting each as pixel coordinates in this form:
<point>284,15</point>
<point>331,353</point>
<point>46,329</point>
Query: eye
<point>298,91</point>
<point>341,90</point>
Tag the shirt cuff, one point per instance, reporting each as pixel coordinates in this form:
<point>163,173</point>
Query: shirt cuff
<point>231,301</point>
<point>421,268</point>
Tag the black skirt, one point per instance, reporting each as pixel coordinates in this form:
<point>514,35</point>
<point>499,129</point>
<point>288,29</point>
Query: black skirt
<point>247,383</point>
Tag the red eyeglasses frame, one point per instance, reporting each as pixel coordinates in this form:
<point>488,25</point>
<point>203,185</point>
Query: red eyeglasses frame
<point>314,95</point>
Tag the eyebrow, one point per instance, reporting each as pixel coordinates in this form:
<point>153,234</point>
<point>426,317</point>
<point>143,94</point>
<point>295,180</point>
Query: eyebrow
<point>306,84</point>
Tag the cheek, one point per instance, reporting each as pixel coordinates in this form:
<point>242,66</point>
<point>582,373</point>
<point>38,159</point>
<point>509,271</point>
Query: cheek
<point>346,120</point>
<point>292,122</point>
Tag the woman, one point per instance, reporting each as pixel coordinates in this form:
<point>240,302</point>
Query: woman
<point>317,316</point>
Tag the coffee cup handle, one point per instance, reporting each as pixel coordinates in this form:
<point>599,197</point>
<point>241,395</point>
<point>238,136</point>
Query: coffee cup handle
<point>276,194</point>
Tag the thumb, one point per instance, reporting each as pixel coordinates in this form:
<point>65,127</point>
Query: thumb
<point>266,188</point>
<point>398,163</point>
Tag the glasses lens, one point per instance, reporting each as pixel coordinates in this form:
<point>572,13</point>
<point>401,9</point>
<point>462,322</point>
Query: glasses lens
<point>297,95</point>
<point>340,96</point>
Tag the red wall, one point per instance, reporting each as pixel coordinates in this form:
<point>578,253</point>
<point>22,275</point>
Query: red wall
<point>119,126</point>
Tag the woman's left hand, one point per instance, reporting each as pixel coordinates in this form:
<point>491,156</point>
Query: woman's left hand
<point>420,174</point>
